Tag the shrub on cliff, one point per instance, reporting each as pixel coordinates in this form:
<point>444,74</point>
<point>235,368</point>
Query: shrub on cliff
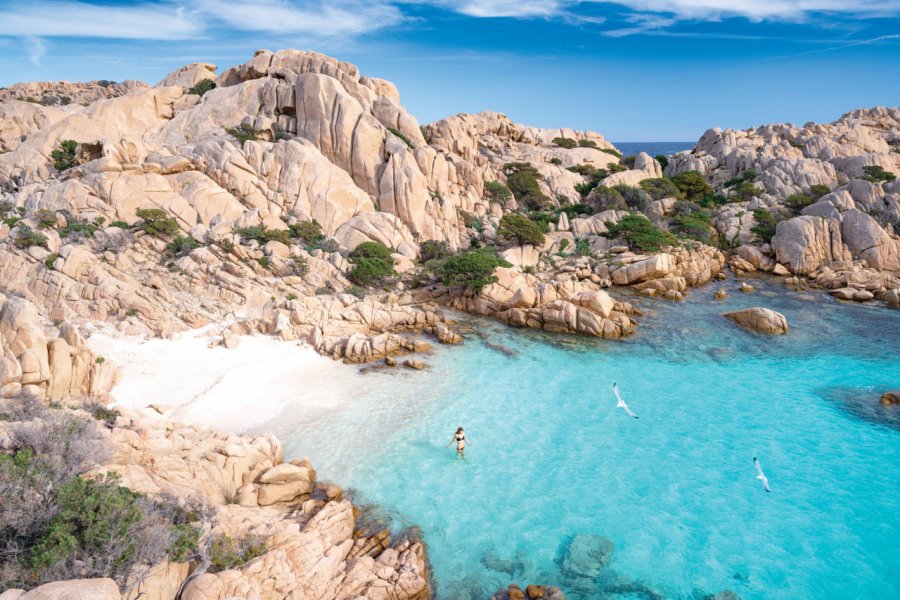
<point>262,235</point>
<point>307,232</point>
<point>746,175</point>
<point>797,202</point>
<point>157,222</point>
<point>662,159</point>
<point>817,190</point>
<point>522,180</point>
<point>64,157</point>
<point>27,237</point>
<point>227,553</point>
<point>574,210</point>
<point>587,144</point>
<point>243,133</point>
<point>472,268</point>
<point>516,226</point>
<point>202,86</point>
<point>746,191</point>
<point>372,264</point>
<point>402,138</point>
<point>635,198</point>
<point>433,250</point>
<point>497,192</point>
<point>182,245</point>
<point>876,173</point>
<point>660,187</point>
<point>604,198</point>
<point>564,142</point>
<point>615,153</point>
<point>639,233</point>
<point>691,221</point>
<point>765,224</point>
<point>692,184</point>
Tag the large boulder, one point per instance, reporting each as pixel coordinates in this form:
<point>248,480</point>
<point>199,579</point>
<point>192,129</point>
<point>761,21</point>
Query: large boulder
<point>587,556</point>
<point>763,320</point>
<point>869,242</point>
<point>803,244</point>
<point>658,265</point>
<point>75,589</point>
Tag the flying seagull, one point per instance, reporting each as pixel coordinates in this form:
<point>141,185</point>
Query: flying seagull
<point>762,476</point>
<point>621,403</point>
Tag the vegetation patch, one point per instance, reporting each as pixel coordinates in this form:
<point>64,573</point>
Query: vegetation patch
<point>660,187</point>
<point>202,86</point>
<point>876,173</point>
<point>765,224</point>
<point>472,268</point>
<point>587,144</point>
<point>639,233</point>
<point>157,222</point>
<point>817,190</point>
<point>372,264</point>
<point>516,226</point>
<point>564,142</point>
<point>692,185</point>
<point>262,235</point>
<point>797,202</point>
<point>27,237</point>
<point>497,191</point>
<point>433,250</point>
<point>402,138</point>
<point>615,153</point>
<point>65,156</point>
<point>522,180</point>
<point>182,245</point>
<point>243,133</point>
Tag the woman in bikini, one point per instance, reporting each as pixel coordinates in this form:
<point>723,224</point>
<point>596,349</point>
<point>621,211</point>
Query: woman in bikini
<point>461,440</point>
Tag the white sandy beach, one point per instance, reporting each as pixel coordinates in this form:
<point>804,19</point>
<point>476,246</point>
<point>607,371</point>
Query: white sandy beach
<point>217,387</point>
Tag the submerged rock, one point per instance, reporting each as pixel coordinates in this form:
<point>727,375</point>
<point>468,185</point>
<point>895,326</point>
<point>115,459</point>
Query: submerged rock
<point>587,556</point>
<point>763,320</point>
<point>890,398</point>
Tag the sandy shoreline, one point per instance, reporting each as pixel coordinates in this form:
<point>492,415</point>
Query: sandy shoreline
<point>229,389</point>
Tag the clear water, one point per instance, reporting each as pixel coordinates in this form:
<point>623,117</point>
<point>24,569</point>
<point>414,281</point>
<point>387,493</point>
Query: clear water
<point>653,148</point>
<point>675,491</point>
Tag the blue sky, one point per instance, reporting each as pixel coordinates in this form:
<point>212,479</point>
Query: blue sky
<point>633,70</point>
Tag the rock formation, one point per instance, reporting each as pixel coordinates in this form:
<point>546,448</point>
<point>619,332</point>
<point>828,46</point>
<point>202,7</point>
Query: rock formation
<point>763,320</point>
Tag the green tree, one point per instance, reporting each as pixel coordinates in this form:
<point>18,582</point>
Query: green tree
<point>660,187</point>
<point>497,192</point>
<point>472,268</point>
<point>522,180</point>
<point>307,232</point>
<point>662,159</point>
<point>797,202</point>
<point>433,250</point>
<point>519,227</point>
<point>746,191</point>
<point>564,142</point>
<point>202,86</point>
<point>765,224</point>
<point>817,190</point>
<point>877,173</point>
<point>639,233</point>
<point>692,185</point>
<point>64,158</point>
<point>372,264</point>
<point>157,222</point>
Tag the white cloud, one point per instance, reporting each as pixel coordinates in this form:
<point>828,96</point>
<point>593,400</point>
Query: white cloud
<point>35,48</point>
<point>789,10</point>
<point>505,8</point>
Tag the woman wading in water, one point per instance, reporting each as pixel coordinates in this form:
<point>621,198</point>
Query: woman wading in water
<point>461,440</point>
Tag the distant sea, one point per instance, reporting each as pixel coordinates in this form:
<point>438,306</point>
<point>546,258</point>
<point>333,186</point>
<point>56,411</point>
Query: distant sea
<point>653,148</point>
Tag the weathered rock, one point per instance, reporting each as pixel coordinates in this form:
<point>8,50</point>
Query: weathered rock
<point>890,398</point>
<point>76,589</point>
<point>760,319</point>
<point>587,556</point>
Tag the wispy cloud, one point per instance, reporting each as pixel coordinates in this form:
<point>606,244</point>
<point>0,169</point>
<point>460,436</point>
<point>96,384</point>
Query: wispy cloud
<point>35,48</point>
<point>848,44</point>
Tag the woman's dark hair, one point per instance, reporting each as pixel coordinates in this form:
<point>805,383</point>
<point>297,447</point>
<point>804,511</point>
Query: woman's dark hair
<point>458,430</point>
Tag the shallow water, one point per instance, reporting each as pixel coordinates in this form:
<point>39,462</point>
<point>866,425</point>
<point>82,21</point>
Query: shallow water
<point>675,491</point>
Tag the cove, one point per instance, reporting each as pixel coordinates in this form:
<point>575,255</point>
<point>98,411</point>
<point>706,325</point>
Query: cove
<point>675,491</point>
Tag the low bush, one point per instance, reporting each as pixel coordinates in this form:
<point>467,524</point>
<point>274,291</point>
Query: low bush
<point>157,222</point>
<point>243,133</point>
<point>402,138</point>
<point>497,191</point>
<point>472,268</point>
<point>556,161</point>
<point>543,219</point>
<point>522,180</point>
<point>27,237</point>
<point>563,244</point>
<point>182,245</point>
<point>582,247</point>
<point>629,161</point>
<point>307,232</point>
<point>264,261</point>
<point>355,290</point>
<point>797,202</point>
<point>662,159</point>
<point>639,233</point>
<point>765,224</point>
<point>226,553</point>
<point>691,221</point>
<point>587,144</point>
<point>746,191</point>
<point>516,226</point>
<point>433,250</point>
<point>635,198</point>
<point>876,173</point>
<point>574,210</point>
<point>616,167</point>
<point>372,262</point>
<point>605,198</point>
<point>75,228</point>
<point>65,157</point>
<point>262,235</point>
<point>202,86</point>
<point>692,185</point>
<point>564,142</point>
<point>746,175</point>
<point>660,187</point>
<point>716,199</point>
<point>588,170</point>
<point>50,261</point>
<point>471,221</point>
<point>119,224</point>
<point>817,190</point>
<point>615,153</point>
<point>46,219</point>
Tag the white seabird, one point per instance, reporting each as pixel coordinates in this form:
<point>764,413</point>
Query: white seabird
<point>762,476</point>
<point>621,403</point>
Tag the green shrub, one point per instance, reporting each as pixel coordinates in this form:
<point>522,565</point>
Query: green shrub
<point>615,153</point>
<point>472,268</point>
<point>497,191</point>
<point>182,245</point>
<point>263,261</point>
<point>243,133</point>
<point>765,224</point>
<point>76,228</point>
<point>660,187</point>
<point>796,143</point>
<point>629,161</point>
<point>583,247</point>
<point>817,190</point>
<point>519,227</point>
<point>587,144</point>
<point>564,142</point>
<point>635,198</point>
<point>747,175</point>
<point>226,553</point>
<point>26,238</point>
<point>713,200</point>
<point>563,244</point>
<point>556,161</point>
<point>307,232</point>
<point>588,170</point>
<point>119,224</point>
<point>64,158</point>
<point>604,198</point>
<point>372,264</point>
<point>202,86</point>
<point>543,219</point>
<point>574,210</point>
<point>639,233</point>
<point>746,191</point>
<point>402,138</point>
<point>615,167</point>
<point>51,260</point>
<point>471,221</point>
<point>263,235</point>
<point>797,202</point>
<point>662,159</point>
<point>355,290</point>
<point>692,184</point>
<point>584,189</point>
<point>691,221</point>
<point>433,250</point>
<point>101,413</point>
<point>876,173</point>
<point>157,222</point>
<point>522,180</point>
<point>46,219</point>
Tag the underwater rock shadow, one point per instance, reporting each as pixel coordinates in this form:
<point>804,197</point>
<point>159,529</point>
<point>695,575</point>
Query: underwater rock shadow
<point>864,404</point>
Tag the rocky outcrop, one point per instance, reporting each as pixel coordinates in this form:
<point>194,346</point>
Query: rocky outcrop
<point>762,320</point>
<point>890,398</point>
<point>804,244</point>
<point>63,93</point>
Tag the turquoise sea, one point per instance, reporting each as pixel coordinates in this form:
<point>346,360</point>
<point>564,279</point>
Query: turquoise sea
<point>653,148</point>
<point>674,491</point>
